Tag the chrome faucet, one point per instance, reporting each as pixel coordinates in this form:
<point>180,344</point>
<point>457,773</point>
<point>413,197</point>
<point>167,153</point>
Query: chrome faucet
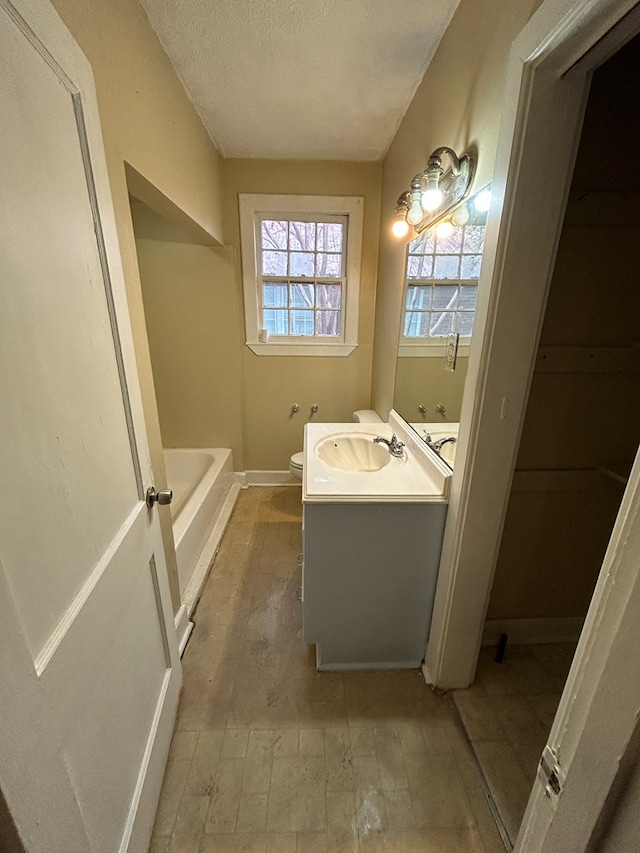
<point>440,443</point>
<point>395,446</point>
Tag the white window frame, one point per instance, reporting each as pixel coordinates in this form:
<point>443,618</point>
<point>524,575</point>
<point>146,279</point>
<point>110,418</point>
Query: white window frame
<point>253,208</point>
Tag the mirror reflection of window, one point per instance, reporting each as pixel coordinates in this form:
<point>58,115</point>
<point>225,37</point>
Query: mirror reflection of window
<point>443,266</point>
<point>440,295</point>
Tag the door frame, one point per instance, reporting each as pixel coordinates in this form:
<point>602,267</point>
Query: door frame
<point>546,90</point>
<point>547,85</point>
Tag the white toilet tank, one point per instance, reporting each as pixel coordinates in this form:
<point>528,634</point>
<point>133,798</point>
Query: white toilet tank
<point>366,416</point>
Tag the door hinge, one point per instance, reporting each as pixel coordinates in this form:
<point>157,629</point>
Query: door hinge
<point>550,773</point>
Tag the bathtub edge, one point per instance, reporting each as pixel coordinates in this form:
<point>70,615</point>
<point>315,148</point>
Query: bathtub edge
<point>200,573</point>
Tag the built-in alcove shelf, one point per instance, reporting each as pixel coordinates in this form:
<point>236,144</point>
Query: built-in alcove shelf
<point>588,359</point>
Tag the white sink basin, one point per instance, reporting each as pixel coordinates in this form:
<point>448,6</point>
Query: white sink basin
<point>343,464</point>
<point>352,452</point>
<point>438,432</point>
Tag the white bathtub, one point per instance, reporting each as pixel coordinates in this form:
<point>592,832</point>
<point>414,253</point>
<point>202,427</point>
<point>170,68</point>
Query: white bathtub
<point>204,494</point>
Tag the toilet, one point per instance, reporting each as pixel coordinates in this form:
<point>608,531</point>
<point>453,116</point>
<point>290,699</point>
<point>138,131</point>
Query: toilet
<point>361,416</point>
<point>295,465</point>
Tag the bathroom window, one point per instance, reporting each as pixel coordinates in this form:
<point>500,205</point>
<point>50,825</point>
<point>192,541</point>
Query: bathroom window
<point>301,258</point>
<point>441,287</point>
<point>302,265</point>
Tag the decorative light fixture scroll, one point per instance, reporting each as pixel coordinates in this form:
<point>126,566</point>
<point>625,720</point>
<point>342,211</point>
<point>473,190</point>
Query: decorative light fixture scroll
<point>434,192</point>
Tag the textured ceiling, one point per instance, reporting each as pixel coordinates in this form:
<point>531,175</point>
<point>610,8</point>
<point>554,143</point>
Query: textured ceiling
<point>300,79</point>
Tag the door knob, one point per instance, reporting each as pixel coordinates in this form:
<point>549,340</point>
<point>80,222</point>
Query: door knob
<point>163,497</point>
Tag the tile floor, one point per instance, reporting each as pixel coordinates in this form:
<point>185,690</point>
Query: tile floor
<point>508,713</point>
<point>270,756</point>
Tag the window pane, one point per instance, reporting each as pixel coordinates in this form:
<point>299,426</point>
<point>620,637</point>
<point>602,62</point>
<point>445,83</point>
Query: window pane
<point>468,298</point>
<point>413,266</point>
<point>329,236</point>
<point>274,263</point>
<point>441,324</point>
<point>302,295</point>
<point>464,324</point>
<point>302,236</point>
<point>328,323</point>
<point>446,266</point>
<point>445,298</point>
<point>419,297</point>
<point>301,322</point>
<point>274,295</point>
<point>420,266</point>
<point>423,244</point>
<point>470,266</point>
<point>426,266</point>
<point>474,238</point>
<point>328,265</point>
<point>450,245</point>
<point>416,324</point>
<point>274,234</point>
<point>276,322</point>
<point>301,263</point>
<point>412,324</point>
<point>329,295</point>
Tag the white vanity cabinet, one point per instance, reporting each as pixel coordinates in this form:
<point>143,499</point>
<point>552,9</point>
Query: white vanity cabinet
<point>369,576</point>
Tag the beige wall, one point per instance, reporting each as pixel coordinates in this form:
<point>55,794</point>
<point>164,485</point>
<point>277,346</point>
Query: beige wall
<point>147,121</point>
<point>425,382</point>
<point>192,321</point>
<point>457,104</point>
<point>273,384</point>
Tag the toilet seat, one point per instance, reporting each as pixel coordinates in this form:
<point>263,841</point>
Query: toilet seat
<point>296,464</point>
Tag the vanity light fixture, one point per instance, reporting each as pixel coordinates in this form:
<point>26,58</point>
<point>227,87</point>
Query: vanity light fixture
<point>400,225</point>
<point>461,215</point>
<point>445,229</point>
<point>434,191</point>
<point>482,201</point>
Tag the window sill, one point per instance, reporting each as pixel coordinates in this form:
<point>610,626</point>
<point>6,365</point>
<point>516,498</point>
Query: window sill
<point>329,349</point>
<point>430,350</point>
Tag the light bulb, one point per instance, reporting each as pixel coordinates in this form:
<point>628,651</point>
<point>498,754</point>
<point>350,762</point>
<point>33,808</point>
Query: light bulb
<point>431,198</point>
<point>444,229</point>
<point>415,211</point>
<point>400,228</point>
<point>482,201</point>
<point>461,215</point>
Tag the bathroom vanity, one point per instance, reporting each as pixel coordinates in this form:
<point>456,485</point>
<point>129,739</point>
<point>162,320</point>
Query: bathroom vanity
<point>372,533</point>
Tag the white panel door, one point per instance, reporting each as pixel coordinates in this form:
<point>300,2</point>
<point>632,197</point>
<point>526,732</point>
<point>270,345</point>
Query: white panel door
<point>89,669</point>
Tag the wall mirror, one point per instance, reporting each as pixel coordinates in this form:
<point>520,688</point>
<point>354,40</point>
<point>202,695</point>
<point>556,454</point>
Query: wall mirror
<point>440,291</point>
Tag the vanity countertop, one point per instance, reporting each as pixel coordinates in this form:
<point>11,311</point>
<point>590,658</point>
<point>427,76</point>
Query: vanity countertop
<point>419,476</point>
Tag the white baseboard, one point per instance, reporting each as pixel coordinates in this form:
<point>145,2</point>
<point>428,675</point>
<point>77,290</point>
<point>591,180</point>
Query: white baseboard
<point>562,629</point>
<point>184,627</point>
<point>427,675</point>
<point>268,478</point>
<point>371,665</point>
